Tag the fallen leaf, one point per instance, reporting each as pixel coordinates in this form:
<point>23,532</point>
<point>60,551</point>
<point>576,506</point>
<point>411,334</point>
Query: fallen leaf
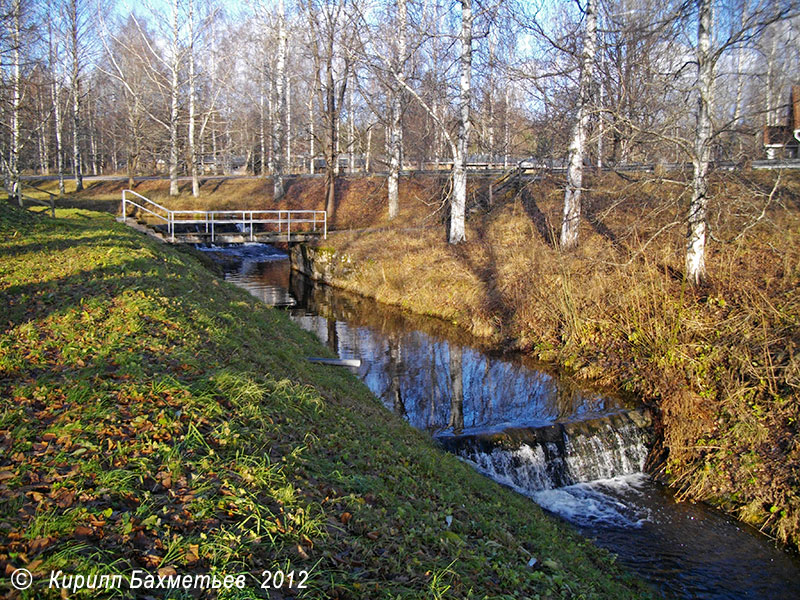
<point>40,544</point>
<point>167,571</point>
<point>193,554</point>
<point>151,560</point>
<point>66,500</point>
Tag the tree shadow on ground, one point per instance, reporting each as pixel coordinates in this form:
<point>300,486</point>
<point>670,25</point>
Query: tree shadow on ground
<point>540,220</point>
<point>487,273</point>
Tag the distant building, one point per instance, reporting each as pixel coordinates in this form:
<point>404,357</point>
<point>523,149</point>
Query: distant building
<point>783,141</point>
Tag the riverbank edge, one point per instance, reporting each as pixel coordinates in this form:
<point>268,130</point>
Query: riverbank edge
<point>371,507</point>
<point>323,262</point>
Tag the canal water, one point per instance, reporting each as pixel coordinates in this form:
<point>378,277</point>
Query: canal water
<point>578,454</point>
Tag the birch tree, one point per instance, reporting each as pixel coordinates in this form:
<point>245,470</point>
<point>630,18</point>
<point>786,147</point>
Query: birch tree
<point>14,30</point>
<point>53,42</point>
<point>458,142</point>
<point>279,134</point>
<point>192,116</point>
<point>458,204</point>
<point>332,36</point>
<point>696,235</point>
<point>145,73</point>
<point>571,220</point>
<point>75,17</point>
<point>396,126</point>
<point>174,89</point>
<point>709,49</point>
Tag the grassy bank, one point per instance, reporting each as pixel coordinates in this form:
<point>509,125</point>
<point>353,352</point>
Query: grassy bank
<point>155,418</point>
<point>718,364</point>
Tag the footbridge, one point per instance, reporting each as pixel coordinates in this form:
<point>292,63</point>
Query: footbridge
<point>229,226</point>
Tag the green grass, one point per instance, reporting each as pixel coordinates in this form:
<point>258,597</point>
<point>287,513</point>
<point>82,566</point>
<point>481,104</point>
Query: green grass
<point>153,417</point>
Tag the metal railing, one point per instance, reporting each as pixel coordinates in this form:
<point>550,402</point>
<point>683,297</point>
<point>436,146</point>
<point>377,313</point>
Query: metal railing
<point>211,219</point>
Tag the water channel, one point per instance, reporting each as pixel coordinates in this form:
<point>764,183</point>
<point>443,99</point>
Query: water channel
<point>578,454</point>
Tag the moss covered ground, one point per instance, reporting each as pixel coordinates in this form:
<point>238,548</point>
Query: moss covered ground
<point>155,418</point>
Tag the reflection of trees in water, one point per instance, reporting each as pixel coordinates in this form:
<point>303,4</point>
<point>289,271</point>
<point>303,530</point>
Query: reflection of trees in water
<point>394,372</point>
<point>333,337</point>
<point>456,420</point>
<point>435,384</point>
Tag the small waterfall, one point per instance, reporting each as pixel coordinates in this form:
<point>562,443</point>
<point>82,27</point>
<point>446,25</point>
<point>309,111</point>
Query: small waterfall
<point>560,455</point>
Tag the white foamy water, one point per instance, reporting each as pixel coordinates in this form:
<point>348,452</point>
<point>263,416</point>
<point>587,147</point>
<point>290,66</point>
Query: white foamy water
<point>523,469</point>
<point>591,504</point>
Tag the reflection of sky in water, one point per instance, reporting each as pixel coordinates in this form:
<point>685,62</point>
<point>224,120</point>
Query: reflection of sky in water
<point>413,373</point>
<point>259,268</point>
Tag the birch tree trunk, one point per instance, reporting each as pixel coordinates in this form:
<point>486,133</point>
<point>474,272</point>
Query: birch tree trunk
<point>271,122</point>
<point>288,164</point>
<point>351,129</point>
<point>459,200</point>
<point>93,134</point>
<point>311,134</point>
<point>192,149</point>
<point>279,123</point>
<point>368,156</point>
<point>13,160</point>
<point>77,168</point>
<point>696,235</point>
<point>56,97</point>
<point>396,126</point>
<point>173,115</point>
<point>262,138</point>
<point>506,130</point>
<point>43,137</point>
<point>571,220</point>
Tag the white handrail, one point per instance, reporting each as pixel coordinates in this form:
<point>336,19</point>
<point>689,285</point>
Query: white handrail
<point>239,217</point>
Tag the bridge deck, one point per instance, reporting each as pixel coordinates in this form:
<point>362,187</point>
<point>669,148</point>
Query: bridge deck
<point>264,237</point>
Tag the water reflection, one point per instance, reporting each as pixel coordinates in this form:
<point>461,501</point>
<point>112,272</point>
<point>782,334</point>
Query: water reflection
<point>438,385</point>
<point>423,370</point>
<point>259,268</point>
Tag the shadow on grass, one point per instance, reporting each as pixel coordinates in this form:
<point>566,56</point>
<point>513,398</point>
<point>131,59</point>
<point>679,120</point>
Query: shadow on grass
<point>105,241</point>
<point>537,217</point>
<point>38,300</point>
